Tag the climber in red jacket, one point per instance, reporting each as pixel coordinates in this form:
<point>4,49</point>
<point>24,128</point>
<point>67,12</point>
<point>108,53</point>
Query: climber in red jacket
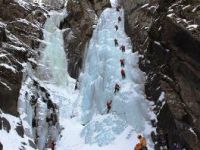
<point>123,74</point>
<point>109,105</point>
<point>122,62</point>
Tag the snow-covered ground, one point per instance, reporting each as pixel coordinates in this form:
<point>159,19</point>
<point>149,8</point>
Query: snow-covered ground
<point>82,113</point>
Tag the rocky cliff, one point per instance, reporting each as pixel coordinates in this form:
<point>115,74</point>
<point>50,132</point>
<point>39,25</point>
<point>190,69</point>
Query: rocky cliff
<point>20,31</point>
<point>82,17</point>
<point>167,35</point>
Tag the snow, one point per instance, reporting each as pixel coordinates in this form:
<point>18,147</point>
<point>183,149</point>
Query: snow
<point>192,26</point>
<point>186,7</point>
<point>162,96</point>
<point>170,15</point>
<point>8,67</point>
<point>11,140</point>
<point>157,43</point>
<point>2,24</point>
<point>192,131</point>
<point>145,5</point>
<point>9,88</point>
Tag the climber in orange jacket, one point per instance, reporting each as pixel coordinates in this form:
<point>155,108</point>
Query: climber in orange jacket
<point>138,147</point>
<point>123,74</point>
<point>143,142</point>
<point>122,62</point>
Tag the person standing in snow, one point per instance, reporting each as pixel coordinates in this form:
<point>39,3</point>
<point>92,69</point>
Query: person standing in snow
<point>117,88</point>
<point>138,146</point>
<point>116,27</point>
<point>109,105</point>
<point>116,42</point>
<point>123,48</point>
<point>123,74</point>
<point>119,19</point>
<point>143,142</point>
<point>122,62</point>
<point>118,8</point>
<point>1,146</point>
<point>77,85</point>
<point>53,144</point>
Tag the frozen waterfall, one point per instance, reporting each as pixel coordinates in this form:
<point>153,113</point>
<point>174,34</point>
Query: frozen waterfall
<point>43,90</point>
<point>53,63</point>
<point>130,114</point>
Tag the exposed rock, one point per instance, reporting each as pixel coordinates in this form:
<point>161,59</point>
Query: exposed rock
<point>32,144</point>
<point>167,34</point>
<point>4,124</point>
<point>20,31</point>
<point>100,5</point>
<point>20,130</point>
<point>79,23</point>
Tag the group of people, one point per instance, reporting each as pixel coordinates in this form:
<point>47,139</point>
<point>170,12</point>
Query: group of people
<point>142,145</point>
<point>122,63</point>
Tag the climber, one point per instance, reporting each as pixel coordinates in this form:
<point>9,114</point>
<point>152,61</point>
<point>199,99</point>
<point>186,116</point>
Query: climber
<point>122,48</point>
<point>118,8</point>
<point>54,118</point>
<point>49,120</point>
<point>109,105</point>
<point>119,19</point>
<point>122,62</point>
<point>116,42</point>
<point>143,142</point>
<point>1,146</point>
<point>33,100</point>
<point>116,27</point>
<point>76,85</point>
<point>117,88</point>
<point>123,74</point>
<point>53,144</point>
<point>138,146</point>
<point>50,104</point>
<point>34,123</point>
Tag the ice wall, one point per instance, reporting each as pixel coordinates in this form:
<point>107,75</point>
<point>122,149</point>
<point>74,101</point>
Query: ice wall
<point>37,102</point>
<point>101,73</point>
<point>53,64</point>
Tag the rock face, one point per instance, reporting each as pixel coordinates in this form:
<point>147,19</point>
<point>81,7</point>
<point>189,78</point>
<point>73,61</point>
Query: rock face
<point>20,29</point>
<point>167,34</point>
<point>82,15</point>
